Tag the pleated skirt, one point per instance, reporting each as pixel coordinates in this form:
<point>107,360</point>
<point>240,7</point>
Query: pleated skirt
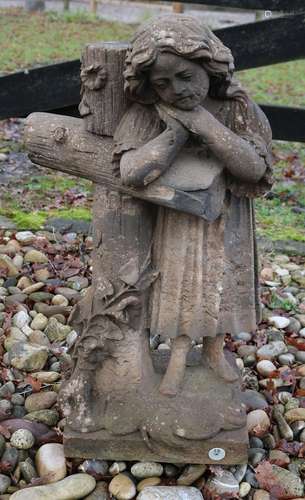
<point>208,273</point>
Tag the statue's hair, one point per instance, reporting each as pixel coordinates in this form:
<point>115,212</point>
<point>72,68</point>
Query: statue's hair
<point>184,36</point>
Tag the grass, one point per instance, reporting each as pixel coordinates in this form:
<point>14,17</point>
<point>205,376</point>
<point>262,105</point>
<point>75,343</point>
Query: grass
<point>35,39</point>
<point>277,84</point>
<point>29,40</point>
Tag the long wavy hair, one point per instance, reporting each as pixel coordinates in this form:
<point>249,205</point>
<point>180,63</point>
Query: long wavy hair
<point>184,36</point>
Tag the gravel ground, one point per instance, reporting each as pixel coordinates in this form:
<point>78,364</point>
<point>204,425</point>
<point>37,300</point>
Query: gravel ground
<point>42,275</point>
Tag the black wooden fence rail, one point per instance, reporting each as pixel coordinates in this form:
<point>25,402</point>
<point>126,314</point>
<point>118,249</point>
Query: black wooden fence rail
<point>291,6</point>
<point>56,87</point>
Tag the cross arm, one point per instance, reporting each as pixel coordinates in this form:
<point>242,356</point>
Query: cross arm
<point>62,143</point>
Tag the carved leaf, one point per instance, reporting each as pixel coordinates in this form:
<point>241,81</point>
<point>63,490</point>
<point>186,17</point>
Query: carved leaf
<point>129,273</point>
<point>147,279</point>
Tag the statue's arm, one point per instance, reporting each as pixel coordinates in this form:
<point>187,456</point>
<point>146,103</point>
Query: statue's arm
<point>141,166</point>
<point>240,157</point>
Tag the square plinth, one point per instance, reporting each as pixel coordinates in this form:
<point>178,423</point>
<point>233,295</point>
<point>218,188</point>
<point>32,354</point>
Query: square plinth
<point>229,447</point>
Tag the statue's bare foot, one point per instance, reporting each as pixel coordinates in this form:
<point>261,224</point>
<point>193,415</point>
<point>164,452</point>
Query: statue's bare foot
<point>222,368</point>
<point>213,353</point>
<point>174,375</point>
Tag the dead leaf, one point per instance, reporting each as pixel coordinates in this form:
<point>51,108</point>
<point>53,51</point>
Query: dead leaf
<point>35,383</point>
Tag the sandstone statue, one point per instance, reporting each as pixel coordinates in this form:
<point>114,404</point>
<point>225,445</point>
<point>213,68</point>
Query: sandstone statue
<point>178,151</point>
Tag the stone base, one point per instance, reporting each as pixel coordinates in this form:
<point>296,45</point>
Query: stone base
<point>102,445</point>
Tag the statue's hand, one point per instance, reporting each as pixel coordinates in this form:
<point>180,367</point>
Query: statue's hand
<point>198,121</point>
<point>180,133</point>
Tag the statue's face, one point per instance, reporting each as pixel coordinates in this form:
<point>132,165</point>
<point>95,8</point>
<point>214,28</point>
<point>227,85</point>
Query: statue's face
<point>178,81</point>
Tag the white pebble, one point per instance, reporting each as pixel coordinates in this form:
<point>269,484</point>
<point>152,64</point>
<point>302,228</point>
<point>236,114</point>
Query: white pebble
<point>279,321</point>
<point>21,319</point>
<point>22,439</point>
<point>265,367</point>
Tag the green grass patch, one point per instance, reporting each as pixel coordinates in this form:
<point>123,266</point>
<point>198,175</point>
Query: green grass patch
<point>36,219</point>
<point>277,221</point>
<point>282,84</point>
<point>35,39</point>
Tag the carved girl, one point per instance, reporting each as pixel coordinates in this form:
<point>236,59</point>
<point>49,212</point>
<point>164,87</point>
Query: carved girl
<point>192,127</point>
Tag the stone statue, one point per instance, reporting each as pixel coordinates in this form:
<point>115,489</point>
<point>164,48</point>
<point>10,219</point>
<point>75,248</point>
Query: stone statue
<point>181,264</point>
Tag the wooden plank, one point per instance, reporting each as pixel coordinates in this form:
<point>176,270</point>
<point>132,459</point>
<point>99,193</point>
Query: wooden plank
<point>57,86</point>
<point>290,6</point>
<point>39,89</point>
<point>266,42</point>
<point>287,123</point>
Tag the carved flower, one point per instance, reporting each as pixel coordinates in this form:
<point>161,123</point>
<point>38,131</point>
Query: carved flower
<point>94,77</point>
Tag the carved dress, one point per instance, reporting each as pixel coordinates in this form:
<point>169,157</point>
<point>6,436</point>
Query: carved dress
<point>208,270</point>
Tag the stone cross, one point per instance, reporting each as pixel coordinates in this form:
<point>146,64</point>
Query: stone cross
<point>111,402</point>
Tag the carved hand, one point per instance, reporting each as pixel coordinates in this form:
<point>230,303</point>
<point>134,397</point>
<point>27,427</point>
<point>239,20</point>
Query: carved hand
<point>180,133</point>
<point>198,120</point>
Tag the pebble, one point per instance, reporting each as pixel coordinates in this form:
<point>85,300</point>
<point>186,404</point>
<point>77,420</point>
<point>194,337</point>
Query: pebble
<point>222,484</point>
<point>28,357</point>
<point>258,423</point>
<point>33,288</point>
<point>287,484</point>
<point>36,257</point>
<point>122,487</point>
<point>279,458</point>
<point>15,335</point>
<point>21,319</point>
<point>117,467</point>
<point>142,470</point>
<point>294,415</point>
<point>9,459</point>
<point>261,495</point>
<point>40,400</point>
<point>39,322</point>
<point>286,359</point>
<point>50,461</point>
<point>7,263</point>
<point>41,296</point>
<point>190,474</point>
<point>96,468</point>
<point>272,350</point>
<point>100,492</point>
<point>47,417</point>
<point>5,482</point>
<point>7,390</point>
<point>60,300</point>
<point>265,367</point>
<point>170,493</point>
<point>25,237</point>
<point>22,439</point>
<point>244,489</point>
<point>72,487</point>
<point>150,481</point>
<point>56,331</point>
<point>28,470</point>
<point>40,338</point>
<point>46,377</point>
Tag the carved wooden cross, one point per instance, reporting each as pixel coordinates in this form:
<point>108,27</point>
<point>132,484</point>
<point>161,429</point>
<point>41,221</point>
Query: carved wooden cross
<point>74,145</point>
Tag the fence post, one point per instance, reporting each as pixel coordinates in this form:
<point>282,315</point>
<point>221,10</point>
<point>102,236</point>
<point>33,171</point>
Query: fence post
<point>178,7</point>
<point>94,6</point>
<point>66,4</point>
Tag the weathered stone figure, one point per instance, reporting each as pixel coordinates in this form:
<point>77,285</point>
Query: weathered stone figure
<point>180,264</point>
<point>195,129</point>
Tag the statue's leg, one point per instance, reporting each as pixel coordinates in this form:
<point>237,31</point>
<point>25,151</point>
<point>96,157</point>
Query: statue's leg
<point>213,354</point>
<point>174,374</point>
